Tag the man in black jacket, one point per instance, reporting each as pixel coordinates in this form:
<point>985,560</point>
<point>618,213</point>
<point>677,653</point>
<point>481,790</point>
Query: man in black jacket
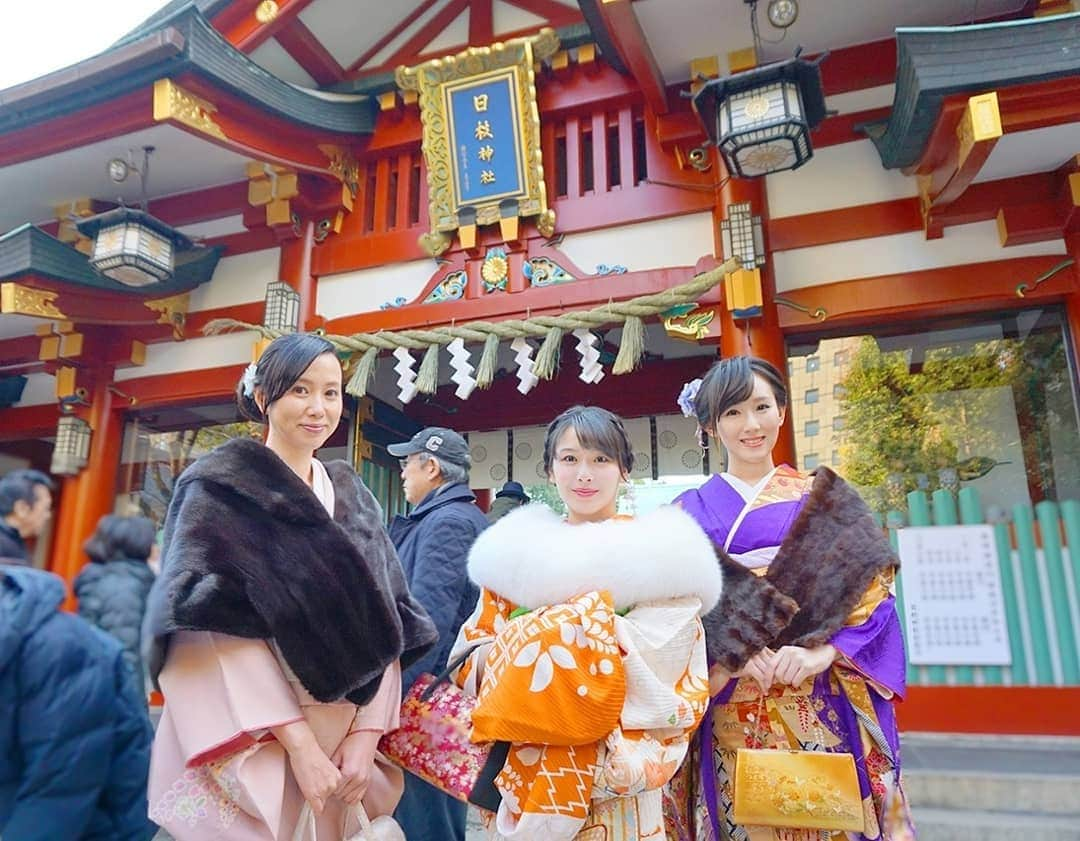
<point>25,508</point>
<point>433,542</point>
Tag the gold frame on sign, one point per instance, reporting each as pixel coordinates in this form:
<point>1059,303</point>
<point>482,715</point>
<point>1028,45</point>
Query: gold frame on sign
<point>431,80</point>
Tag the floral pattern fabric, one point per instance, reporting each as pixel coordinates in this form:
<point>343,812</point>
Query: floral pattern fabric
<point>641,677</point>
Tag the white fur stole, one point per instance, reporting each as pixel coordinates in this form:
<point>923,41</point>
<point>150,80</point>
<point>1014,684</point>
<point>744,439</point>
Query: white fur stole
<point>534,558</point>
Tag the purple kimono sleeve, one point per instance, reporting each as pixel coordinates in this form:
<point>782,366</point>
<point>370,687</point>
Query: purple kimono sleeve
<point>876,647</point>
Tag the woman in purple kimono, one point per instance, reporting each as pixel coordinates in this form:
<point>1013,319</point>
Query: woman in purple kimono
<point>805,650</point>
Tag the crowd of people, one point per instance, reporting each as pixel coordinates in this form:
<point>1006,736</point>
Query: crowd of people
<point>631,667</point>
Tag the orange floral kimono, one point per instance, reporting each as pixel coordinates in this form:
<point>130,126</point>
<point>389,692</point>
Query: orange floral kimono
<point>588,656</point>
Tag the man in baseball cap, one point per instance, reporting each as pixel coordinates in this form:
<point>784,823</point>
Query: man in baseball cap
<point>433,542</point>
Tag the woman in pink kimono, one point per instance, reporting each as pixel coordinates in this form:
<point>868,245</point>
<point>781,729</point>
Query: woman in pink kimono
<point>805,650</point>
<point>279,624</point>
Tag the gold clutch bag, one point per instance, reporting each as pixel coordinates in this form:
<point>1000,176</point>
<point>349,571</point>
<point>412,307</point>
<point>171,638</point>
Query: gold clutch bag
<point>797,789</point>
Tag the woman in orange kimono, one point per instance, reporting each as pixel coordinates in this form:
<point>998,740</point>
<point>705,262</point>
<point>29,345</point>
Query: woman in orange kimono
<point>804,647</point>
<point>587,650</point>
<point>278,625</point>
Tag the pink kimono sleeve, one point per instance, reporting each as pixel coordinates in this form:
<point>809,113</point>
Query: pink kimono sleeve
<point>223,693</point>
<point>382,713</point>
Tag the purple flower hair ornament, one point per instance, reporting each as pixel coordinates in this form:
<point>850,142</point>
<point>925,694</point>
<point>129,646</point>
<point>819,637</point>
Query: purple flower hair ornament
<point>687,397</point>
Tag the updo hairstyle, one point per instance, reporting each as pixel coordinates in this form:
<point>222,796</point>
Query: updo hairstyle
<point>281,364</point>
<point>730,381</point>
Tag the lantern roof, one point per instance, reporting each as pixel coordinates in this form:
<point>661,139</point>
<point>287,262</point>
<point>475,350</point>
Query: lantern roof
<point>805,73</point>
<point>29,252</point>
<point>90,227</point>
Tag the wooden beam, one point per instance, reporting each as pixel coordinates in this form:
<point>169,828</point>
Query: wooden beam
<point>29,421</point>
<point>580,294</point>
<point>308,51</point>
<point>252,34</point>
<point>354,69</point>
<point>625,30</point>
<point>411,49</point>
<point>481,22</point>
<point>113,118</point>
<point>929,293</point>
<point>844,224</point>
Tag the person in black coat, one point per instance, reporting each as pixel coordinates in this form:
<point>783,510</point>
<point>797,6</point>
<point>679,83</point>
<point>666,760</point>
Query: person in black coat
<point>113,588</point>
<point>433,543</point>
<point>25,508</point>
<point>74,734</point>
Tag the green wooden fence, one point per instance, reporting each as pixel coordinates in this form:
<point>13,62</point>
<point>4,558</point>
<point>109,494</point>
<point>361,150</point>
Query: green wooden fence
<point>1039,583</point>
<point>385,483</point>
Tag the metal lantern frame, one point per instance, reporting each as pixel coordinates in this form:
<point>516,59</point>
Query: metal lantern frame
<point>760,119</point>
<point>72,448</point>
<point>132,247</point>
<point>282,310</point>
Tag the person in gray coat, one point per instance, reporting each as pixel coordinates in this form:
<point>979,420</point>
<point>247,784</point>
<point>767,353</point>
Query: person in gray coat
<point>433,543</point>
<point>113,588</point>
<point>506,500</point>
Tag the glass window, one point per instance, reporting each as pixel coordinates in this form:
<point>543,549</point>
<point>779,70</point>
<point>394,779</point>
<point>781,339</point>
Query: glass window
<point>810,461</point>
<point>841,358</point>
<point>837,458</point>
<point>813,363</point>
<point>838,423</point>
<point>811,428</point>
<point>985,402</point>
<point>159,443</point>
<point>812,395</point>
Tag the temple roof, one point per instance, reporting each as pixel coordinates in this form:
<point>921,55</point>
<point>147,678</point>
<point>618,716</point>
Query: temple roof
<point>174,43</point>
<point>935,63</point>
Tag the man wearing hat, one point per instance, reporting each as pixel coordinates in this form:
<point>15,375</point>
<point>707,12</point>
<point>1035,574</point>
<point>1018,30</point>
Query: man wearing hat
<point>433,542</point>
<point>510,497</point>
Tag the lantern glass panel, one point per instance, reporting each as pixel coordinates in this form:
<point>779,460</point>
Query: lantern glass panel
<point>133,254</point>
<point>72,448</point>
<point>282,307</point>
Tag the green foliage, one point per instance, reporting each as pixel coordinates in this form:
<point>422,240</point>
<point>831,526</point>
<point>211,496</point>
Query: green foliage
<point>907,423</point>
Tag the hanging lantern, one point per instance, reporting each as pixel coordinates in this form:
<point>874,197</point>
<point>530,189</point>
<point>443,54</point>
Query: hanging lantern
<point>282,307</point>
<point>132,247</point>
<point>760,119</point>
<point>72,448</point>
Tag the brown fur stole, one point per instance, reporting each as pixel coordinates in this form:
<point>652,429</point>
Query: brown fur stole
<point>250,551</point>
<point>824,565</point>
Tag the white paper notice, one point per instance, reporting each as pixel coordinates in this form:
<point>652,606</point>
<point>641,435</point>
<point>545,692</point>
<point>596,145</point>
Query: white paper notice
<point>953,606</point>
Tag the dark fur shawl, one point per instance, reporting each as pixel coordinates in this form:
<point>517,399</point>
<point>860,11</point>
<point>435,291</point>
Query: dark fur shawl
<point>824,565</point>
<point>250,551</point>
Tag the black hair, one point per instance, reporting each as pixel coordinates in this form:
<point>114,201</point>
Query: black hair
<point>119,538</point>
<point>281,364</point>
<point>19,485</point>
<point>596,429</point>
<point>730,381</point>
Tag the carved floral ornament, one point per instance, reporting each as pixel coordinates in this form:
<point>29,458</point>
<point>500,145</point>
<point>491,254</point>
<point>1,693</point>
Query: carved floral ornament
<point>481,139</point>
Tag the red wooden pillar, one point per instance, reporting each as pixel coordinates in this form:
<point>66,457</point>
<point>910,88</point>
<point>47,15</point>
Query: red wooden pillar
<point>759,336</point>
<point>85,498</point>
<point>484,497</point>
<point>295,270</point>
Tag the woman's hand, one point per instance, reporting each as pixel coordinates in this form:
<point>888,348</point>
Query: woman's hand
<point>759,667</point>
<point>355,758</point>
<point>793,664</point>
<point>317,777</point>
